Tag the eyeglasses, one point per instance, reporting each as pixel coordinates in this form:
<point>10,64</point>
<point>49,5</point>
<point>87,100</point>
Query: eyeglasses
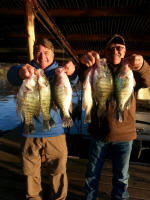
<point>118,48</point>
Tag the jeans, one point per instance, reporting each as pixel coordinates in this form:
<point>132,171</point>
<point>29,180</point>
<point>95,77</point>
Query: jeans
<point>120,164</point>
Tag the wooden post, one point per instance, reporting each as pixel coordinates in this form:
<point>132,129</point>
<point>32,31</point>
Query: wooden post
<point>52,25</point>
<point>30,27</point>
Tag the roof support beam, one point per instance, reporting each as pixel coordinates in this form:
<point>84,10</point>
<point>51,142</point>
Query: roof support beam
<point>83,37</point>
<point>79,52</point>
<point>99,12</point>
<point>55,29</point>
<point>60,12</point>
<point>129,52</point>
<point>30,27</point>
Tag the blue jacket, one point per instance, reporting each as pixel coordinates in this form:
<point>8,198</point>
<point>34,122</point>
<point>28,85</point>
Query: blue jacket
<point>14,79</point>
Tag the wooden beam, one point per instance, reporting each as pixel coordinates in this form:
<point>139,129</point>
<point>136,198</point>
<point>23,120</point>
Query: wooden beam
<point>82,37</point>
<point>99,12</point>
<point>129,52</point>
<point>12,11</point>
<point>30,27</point>
<point>78,52</point>
<point>102,37</point>
<point>51,24</point>
<point>24,50</point>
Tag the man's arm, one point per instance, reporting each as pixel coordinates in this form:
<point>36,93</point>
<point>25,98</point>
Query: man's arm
<point>18,73</point>
<point>142,76</point>
<point>13,75</point>
<point>141,70</point>
<point>71,72</point>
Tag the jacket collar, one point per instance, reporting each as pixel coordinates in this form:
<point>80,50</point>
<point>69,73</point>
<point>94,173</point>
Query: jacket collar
<point>53,66</point>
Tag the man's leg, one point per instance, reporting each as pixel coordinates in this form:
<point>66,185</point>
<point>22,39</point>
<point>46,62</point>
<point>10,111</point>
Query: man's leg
<point>97,155</point>
<point>121,152</point>
<point>56,156</point>
<point>31,168</point>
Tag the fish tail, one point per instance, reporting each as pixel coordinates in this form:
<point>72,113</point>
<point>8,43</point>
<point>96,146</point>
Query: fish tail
<point>67,122</point>
<point>52,123</point>
<point>48,124</point>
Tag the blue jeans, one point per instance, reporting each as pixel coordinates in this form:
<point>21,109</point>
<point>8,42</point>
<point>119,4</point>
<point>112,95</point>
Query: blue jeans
<point>120,164</point>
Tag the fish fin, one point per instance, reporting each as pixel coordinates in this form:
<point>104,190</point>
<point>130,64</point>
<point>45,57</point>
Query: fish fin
<point>128,103</point>
<point>70,108</point>
<point>67,122</point>
<point>28,129</point>
<point>54,106</point>
<point>46,125</point>
<point>119,115</point>
<point>87,118</point>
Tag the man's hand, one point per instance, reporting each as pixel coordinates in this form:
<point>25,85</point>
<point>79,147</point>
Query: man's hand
<point>26,71</point>
<point>69,68</point>
<point>135,62</point>
<point>89,58</point>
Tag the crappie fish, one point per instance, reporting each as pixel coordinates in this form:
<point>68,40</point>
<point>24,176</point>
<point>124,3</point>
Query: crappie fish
<point>98,86</point>
<point>28,103</point>
<point>102,85</point>
<point>62,93</point>
<point>123,89</point>
<point>34,99</point>
<point>45,100</point>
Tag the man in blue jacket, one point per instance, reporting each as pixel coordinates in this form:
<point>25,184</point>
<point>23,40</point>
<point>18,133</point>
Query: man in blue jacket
<point>53,141</point>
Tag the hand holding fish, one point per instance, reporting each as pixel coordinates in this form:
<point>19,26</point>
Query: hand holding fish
<point>69,68</point>
<point>89,59</point>
<point>26,71</point>
<point>135,62</point>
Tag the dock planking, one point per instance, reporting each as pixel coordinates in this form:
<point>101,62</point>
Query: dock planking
<point>12,184</point>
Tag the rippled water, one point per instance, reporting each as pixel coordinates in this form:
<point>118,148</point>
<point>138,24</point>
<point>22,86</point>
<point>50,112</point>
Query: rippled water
<point>8,118</point>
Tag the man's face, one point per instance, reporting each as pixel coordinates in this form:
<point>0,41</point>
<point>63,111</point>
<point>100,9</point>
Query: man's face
<point>43,57</point>
<point>114,53</point>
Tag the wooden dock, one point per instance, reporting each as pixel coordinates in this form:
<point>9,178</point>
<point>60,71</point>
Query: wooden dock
<point>12,182</point>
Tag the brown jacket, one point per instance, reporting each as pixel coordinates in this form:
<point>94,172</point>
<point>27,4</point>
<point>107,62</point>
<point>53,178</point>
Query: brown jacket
<point>109,129</point>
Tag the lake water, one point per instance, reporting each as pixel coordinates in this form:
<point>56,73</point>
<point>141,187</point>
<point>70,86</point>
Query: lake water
<point>9,120</point>
<point>8,117</point>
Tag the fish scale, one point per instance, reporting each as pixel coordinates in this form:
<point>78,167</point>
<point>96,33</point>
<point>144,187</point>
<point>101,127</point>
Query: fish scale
<point>33,99</point>
<point>98,88</point>
<point>28,103</point>
<point>123,89</point>
<point>62,93</point>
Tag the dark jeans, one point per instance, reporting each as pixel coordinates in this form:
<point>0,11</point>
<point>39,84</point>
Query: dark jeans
<point>120,164</point>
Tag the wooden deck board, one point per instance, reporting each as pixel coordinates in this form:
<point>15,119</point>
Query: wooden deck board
<point>12,181</point>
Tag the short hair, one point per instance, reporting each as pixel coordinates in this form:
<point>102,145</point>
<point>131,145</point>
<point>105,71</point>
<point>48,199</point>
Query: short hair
<point>44,42</point>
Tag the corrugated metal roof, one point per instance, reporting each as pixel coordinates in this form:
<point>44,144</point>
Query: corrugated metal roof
<point>85,25</point>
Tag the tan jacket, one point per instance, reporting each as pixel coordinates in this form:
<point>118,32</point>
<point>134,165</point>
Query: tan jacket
<point>109,129</point>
